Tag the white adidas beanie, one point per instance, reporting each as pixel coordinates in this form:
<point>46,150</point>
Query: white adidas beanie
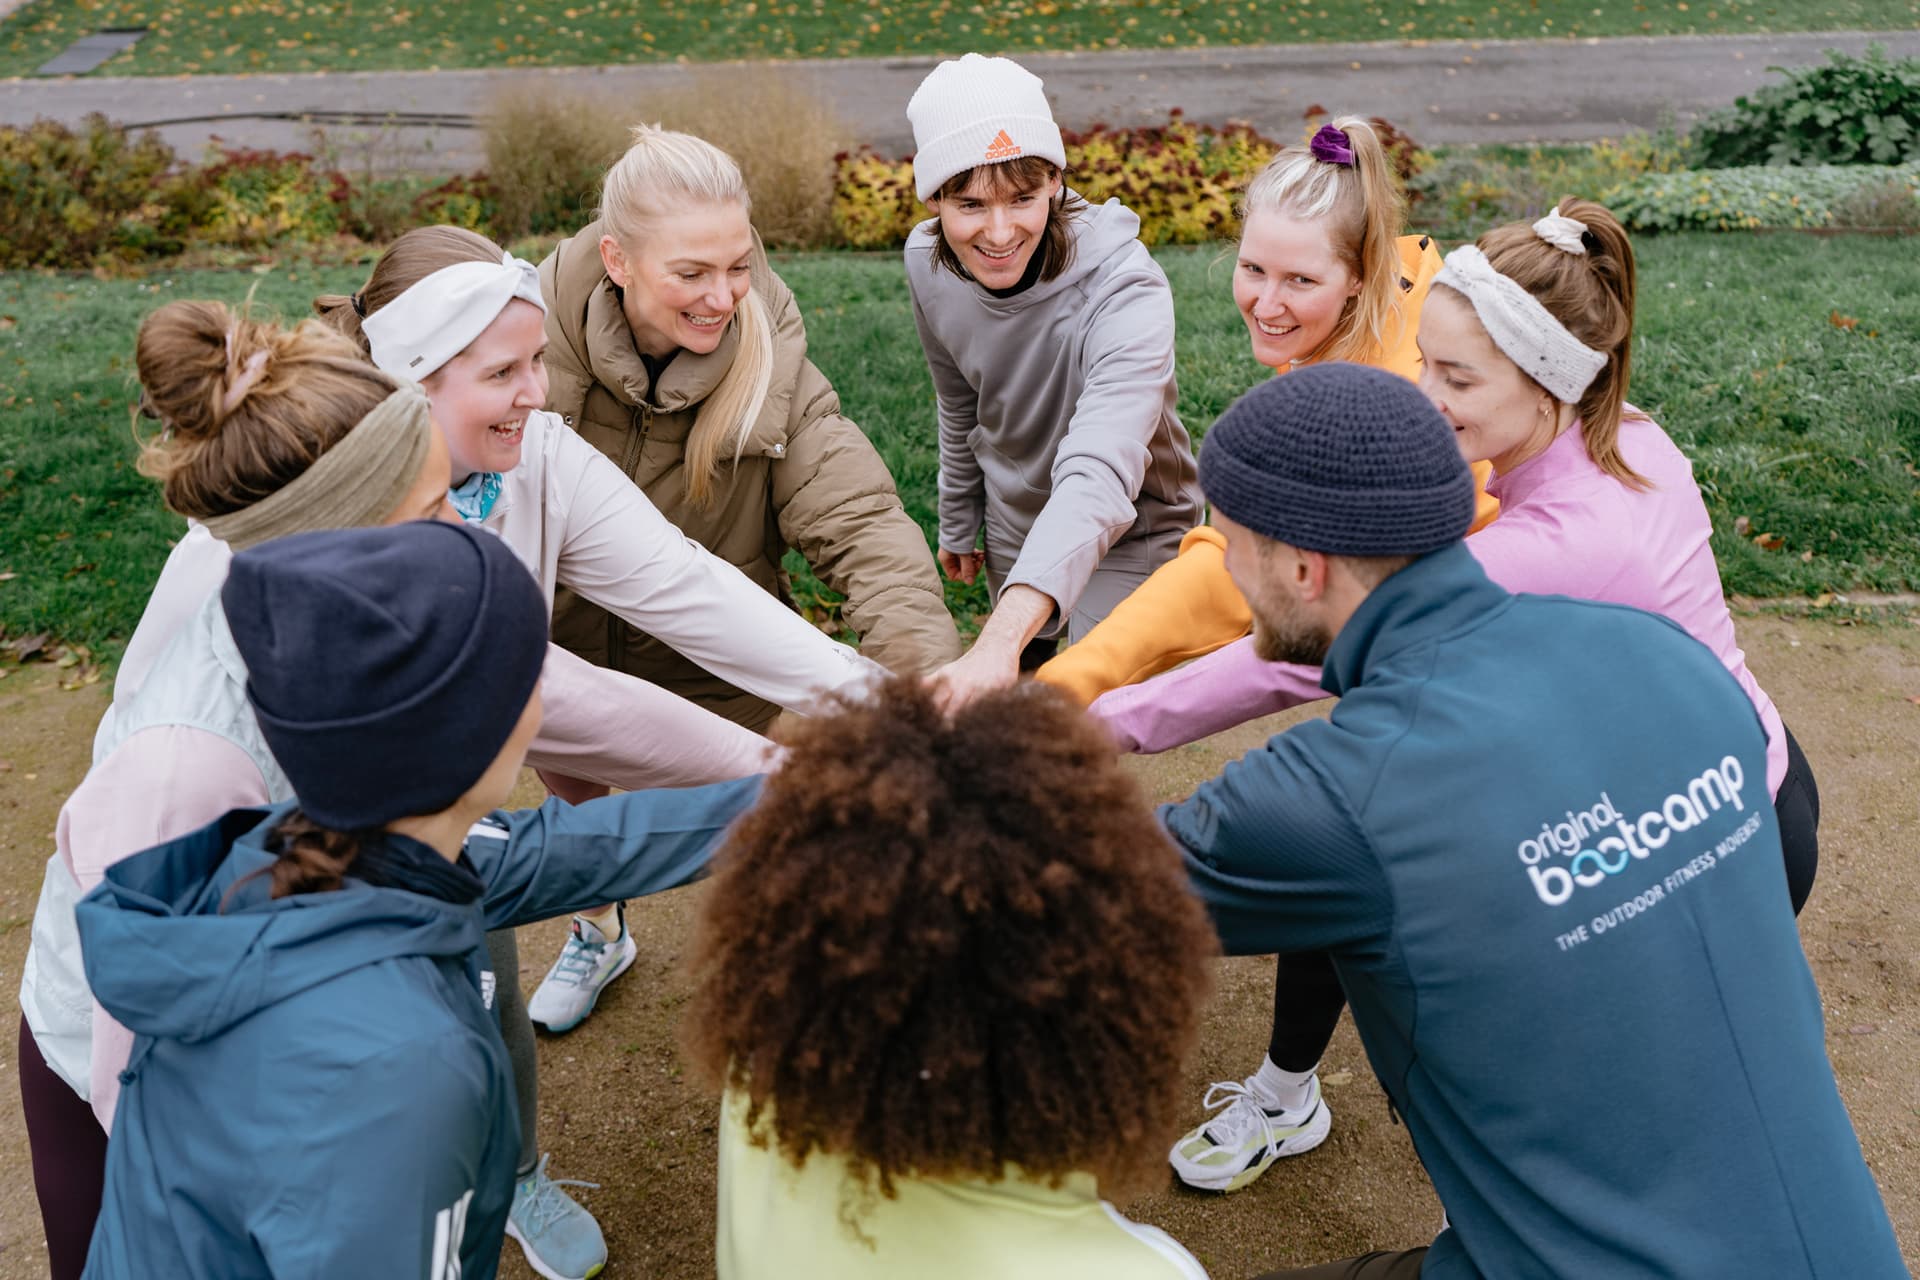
<point>979,111</point>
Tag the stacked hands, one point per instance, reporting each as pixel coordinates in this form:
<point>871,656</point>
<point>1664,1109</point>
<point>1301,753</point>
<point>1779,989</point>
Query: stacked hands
<point>483,513</point>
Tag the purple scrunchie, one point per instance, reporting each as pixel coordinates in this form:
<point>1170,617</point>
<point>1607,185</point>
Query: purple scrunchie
<point>1332,146</point>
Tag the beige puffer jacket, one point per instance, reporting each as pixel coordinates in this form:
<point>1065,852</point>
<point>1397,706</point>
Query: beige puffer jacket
<point>807,478</point>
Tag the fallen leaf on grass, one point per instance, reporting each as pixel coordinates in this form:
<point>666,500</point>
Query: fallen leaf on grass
<point>26,646</point>
<point>1839,321</point>
<point>1742,526</point>
<point>1822,600</point>
<point>8,577</point>
<point>7,322</point>
<point>1806,557</point>
<point>1334,1079</point>
<point>1769,541</point>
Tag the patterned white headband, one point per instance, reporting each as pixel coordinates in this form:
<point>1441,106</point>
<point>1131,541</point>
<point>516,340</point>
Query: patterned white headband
<point>1525,331</point>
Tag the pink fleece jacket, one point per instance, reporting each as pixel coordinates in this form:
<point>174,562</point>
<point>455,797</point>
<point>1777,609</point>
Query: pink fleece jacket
<point>1566,528</point>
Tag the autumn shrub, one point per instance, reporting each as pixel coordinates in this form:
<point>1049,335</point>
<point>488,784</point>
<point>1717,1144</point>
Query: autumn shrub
<point>1752,197</point>
<point>73,197</point>
<point>250,198</point>
<point>1889,205</point>
<point>1183,179</point>
<point>1847,111</point>
<point>781,131</point>
<point>546,154</point>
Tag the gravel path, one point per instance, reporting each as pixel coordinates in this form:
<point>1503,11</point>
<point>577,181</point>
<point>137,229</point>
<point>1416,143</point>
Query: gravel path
<point>1440,91</point>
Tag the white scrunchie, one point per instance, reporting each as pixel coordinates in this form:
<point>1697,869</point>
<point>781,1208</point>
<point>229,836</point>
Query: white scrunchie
<point>440,316</point>
<point>1562,233</point>
<point>1524,330</point>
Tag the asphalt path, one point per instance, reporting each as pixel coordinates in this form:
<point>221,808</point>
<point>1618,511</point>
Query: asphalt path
<point>1438,91</point>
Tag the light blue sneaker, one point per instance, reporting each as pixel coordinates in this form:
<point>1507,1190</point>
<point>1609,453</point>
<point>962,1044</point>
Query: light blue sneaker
<point>588,962</point>
<point>561,1239</point>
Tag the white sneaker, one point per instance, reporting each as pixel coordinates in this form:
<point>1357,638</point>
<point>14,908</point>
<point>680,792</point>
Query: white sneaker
<point>588,962</point>
<point>1233,1148</point>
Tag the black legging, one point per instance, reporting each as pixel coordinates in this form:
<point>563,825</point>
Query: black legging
<point>69,1153</point>
<point>1307,998</point>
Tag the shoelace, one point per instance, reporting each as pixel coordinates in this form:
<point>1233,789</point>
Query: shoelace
<point>578,959</point>
<point>543,1202</point>
<point>1243,1113</point>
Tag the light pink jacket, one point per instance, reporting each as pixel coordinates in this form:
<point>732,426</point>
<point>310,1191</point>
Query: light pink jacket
<point>1566,528</point>
<point>574,520</point>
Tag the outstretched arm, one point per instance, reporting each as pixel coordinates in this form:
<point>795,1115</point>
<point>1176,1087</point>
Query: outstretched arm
<point>1229,686</point>
<point>620,553</point>
<point>560,858</point>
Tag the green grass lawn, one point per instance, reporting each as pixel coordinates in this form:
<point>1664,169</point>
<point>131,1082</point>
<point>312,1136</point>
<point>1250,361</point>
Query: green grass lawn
<point>337,35</point>
<point>1803,424</point>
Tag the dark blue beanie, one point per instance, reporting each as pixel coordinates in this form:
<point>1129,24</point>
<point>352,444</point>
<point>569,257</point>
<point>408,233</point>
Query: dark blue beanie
<point>1342,459</point>
<point>386,667</point>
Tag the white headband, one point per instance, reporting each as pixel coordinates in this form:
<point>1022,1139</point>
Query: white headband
<point>438,317</point>
<point>1525,331</point>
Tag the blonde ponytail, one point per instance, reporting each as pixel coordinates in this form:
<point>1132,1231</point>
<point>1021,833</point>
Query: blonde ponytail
<point>1364,211</point>
<point>661,174</point>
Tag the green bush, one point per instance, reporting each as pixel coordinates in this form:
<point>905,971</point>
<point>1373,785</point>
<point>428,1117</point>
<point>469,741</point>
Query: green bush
<point>1459,192</point>
<point>73,197</point>
<point>1850,111</point>
<point>1759,196</point>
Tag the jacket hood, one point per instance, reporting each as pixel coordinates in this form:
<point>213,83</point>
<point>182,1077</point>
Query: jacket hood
<point>1101,234</point>
<point>164,959</point>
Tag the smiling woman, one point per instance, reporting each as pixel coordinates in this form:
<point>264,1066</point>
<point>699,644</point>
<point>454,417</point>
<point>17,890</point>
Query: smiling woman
<point>678,353</point>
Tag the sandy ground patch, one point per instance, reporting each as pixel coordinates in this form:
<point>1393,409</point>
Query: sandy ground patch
<point>617,1108</point>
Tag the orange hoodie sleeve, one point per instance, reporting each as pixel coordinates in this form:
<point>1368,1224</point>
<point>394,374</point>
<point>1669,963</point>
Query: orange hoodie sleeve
<point>1189,606</point>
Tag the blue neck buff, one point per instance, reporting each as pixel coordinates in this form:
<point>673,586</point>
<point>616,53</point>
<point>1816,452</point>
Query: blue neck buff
<point>474,497</point>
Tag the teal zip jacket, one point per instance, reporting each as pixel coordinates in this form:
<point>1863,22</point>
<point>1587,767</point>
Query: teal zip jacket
<point>1536,838</point>
<point>318,1087</point>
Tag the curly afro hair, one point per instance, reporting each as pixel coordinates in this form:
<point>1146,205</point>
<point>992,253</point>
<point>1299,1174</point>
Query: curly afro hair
<point>938,947</point>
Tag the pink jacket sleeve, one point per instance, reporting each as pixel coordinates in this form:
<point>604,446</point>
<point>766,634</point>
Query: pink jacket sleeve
<point>608,727</point>
<point>159,784</point>
<point>1227,687</point>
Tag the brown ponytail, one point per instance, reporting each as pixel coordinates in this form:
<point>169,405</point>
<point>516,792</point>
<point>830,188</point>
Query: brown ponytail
<point>409,260</point>
<point>313,858</point>
<point>1591,294</point>
<point>245,405</point>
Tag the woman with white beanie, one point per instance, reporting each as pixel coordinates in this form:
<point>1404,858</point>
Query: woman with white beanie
<point>1065,473</point>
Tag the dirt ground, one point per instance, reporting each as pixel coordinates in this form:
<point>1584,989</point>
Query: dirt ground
<point>616,1108</point>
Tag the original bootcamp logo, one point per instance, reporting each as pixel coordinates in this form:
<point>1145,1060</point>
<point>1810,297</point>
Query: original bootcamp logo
<point>1598,842</point>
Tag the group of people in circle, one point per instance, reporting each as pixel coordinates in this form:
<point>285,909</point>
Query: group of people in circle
<point>950,965</point>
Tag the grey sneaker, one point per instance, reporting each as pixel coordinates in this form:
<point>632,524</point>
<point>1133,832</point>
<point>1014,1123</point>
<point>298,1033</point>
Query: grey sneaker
<point>588,962</point>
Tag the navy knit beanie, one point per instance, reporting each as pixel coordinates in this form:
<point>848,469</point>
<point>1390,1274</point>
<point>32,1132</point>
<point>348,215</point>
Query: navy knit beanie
<point>1342,459</point>
<point>387,667</point>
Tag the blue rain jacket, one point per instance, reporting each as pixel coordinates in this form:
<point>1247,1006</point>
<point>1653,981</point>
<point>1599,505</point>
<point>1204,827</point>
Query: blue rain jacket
<point>318,1086</point>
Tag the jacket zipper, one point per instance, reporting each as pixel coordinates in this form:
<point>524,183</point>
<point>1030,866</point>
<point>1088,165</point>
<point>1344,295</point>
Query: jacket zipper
<point>630,459</point>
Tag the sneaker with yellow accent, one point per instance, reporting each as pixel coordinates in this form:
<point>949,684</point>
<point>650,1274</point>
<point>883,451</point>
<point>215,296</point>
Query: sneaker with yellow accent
<point>1238,1145</point>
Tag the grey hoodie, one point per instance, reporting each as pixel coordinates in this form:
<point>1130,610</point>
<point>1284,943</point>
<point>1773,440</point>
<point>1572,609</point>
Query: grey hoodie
<point>1058,433</point>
